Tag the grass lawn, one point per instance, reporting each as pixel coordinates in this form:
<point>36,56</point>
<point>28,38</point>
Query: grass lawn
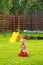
<point>9,52</point>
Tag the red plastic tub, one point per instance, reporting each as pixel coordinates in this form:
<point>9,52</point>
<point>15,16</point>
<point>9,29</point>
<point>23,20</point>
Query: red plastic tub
<point>23,54</point>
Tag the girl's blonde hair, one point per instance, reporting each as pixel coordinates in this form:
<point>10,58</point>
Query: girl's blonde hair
<point>22,41</point>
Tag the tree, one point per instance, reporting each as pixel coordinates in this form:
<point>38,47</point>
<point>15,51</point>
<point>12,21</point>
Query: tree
<point>15,5</point>
<point>18,6</point>
<point>34,4</point>
<point>5,6</point>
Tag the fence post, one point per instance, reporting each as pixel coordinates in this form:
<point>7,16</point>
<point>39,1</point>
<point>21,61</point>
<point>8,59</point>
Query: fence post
<point>36,22</point>
<point>18,23</point>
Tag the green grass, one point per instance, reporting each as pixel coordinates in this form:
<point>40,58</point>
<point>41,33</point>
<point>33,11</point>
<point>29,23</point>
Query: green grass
<point>32,34</point>
<point>9,52</point>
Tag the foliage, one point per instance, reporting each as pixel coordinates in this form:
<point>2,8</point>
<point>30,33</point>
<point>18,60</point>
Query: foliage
<point>19,6</point>
<point>5,6</point>
<point>34,4</point>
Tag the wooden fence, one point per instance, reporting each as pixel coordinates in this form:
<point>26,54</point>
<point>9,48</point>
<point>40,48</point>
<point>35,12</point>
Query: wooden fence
<point>10,22</point>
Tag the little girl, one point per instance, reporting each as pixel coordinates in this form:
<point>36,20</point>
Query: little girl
<point>23,45</point>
